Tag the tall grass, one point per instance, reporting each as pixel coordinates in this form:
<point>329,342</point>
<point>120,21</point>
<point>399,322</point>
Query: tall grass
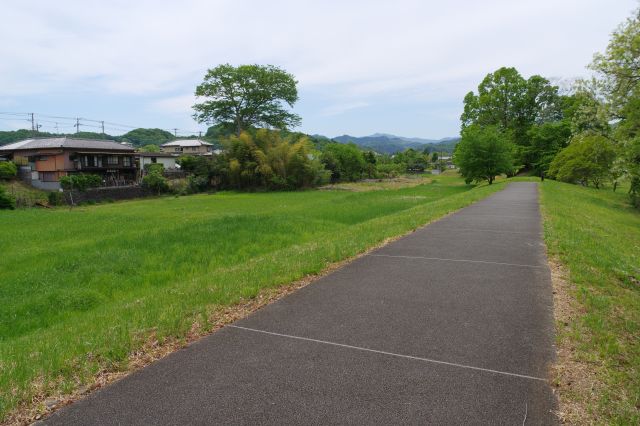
<point>81,289</point>
<point>596,235</point>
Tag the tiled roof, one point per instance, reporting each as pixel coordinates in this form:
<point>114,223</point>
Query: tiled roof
<point>64,142</point>
<point>187,142</point>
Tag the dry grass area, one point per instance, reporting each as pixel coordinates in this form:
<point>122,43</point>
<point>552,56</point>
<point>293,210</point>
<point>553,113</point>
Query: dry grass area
<point>593,239</point>
<point>575,382</point>
<point>380,184</point>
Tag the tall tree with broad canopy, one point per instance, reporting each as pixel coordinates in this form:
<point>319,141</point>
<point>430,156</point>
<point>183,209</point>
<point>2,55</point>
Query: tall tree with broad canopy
<point>483,153</point>
<point>247,96</point>
<point>513,104</point>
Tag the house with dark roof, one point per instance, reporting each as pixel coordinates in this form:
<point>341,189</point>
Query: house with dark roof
<point>43,161</point>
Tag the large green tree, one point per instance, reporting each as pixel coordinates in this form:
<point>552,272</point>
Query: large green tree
<point>513,104</point>
<point>247,96</point>
<point>546,140</point>
<point>619,71</point>
<point>483,153</point>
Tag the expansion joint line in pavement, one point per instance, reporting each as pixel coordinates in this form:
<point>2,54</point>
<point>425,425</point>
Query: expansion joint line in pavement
<point>457,260</point>
<point>497,231</point>
<point>496,215</point>
<point>415,358</point>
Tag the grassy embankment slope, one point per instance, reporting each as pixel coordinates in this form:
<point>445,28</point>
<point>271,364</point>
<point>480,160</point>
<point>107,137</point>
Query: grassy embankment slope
<point>81,289</point>
<point>25,195</point>
<point>595,234</point>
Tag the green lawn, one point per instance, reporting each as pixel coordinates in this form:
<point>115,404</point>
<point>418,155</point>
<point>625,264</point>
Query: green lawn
<point>596,235</point>
<point>81,289</point>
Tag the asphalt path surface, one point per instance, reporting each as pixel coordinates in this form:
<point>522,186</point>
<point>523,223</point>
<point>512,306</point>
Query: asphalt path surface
<point>452,324</point>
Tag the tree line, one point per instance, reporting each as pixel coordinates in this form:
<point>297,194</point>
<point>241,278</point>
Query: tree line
<point>588,135</point>
<point>264,159</point>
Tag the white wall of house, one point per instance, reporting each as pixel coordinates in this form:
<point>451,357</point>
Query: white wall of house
<point>167,162</point>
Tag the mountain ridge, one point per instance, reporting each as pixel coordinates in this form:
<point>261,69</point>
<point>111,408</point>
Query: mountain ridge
<point>386,143</point>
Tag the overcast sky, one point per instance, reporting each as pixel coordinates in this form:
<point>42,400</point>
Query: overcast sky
<point>398,66</point>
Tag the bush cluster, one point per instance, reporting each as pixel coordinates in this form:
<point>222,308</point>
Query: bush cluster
<point>80,181</point>
<point>8,170</point>
<point>6,200</point>
<point>55,198</point>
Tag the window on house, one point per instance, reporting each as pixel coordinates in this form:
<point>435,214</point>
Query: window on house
<point>126,161</point>
<point>154,160</point>
<point>91,161</point>
<point>177,149</point>
<point>47,177</point>
<point>112,160</point>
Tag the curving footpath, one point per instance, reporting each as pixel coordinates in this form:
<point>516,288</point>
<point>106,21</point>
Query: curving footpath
<point>452,324</point>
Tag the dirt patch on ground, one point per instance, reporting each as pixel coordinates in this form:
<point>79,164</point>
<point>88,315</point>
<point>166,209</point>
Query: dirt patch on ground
<point>378,184</point>
<point>574,380</point>
<point>42,405</point>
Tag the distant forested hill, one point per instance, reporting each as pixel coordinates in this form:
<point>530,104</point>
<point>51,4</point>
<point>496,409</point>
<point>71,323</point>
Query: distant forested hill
<point>379,142</point>
<point>388,144</point>
<point>136,137</point>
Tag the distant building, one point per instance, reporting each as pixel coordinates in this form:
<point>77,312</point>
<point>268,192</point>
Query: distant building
<point>448,161</point>
<point>167,160</point>
<point>188,147</point>
<point>43,161</point>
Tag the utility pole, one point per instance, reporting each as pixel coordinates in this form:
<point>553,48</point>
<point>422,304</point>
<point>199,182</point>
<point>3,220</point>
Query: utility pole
<point>200,134</point>
<point>57,128</point>
<point>33,123</point>
<point>175,132</point>
<point>102,122</point>
<point>77,126</point>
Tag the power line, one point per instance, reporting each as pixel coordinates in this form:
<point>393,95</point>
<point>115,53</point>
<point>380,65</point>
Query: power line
<point>77,122</point>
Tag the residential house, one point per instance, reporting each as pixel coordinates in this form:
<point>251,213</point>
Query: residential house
<point>188,147</point>
<point>448,161</point>
<point>43,161</point>
<point>167,160</point>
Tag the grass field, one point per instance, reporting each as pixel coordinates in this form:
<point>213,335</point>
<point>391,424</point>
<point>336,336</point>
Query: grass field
<point>81,289</point>
<point>596,236</point>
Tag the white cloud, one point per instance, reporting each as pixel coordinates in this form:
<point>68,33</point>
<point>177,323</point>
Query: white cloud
<point>342,108</point>
<point>344,52</point>
<point>174,104</point>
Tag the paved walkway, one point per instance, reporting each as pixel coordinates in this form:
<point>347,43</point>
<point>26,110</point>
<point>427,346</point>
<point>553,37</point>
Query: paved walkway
<point>452,324</point>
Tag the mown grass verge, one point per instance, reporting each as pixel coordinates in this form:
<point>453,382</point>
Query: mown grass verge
<point>82,289</point>
<point>595,235</point>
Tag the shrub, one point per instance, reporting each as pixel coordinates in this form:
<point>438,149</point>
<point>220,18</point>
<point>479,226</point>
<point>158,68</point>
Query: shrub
<point>587,160</point>
<point>80,182</point>
<point>154,167</point>
<point>178,186</point>
<point>6,200</point>
<point>155,183</point>
<point>390,170</point>
<point>8,170</point>
<point>197,184</point>
<point>55,198</point>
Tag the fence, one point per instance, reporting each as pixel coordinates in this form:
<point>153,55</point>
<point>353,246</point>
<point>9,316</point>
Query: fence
<point>105,194</point>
